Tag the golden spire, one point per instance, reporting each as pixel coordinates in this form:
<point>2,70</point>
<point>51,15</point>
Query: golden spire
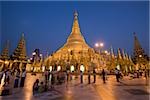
<point>75,27</point>
<point>20,51</point>
<point>123,54</point>
<point>119,54</point>
<point>137,45</point>
<point>5,53</point>
<point>75,41</point>
<point>112,52</point>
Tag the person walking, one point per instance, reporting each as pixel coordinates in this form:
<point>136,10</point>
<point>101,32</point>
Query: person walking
<point>81,77</point>
<point>52,80</point>
<point>89,77</point>
<point>36,86</point>
<point>8,76</point>
<point>46,75</point>
<point>17,76</point>
<point>23,76</point>
<point>117,74</point>
<point>104,76</point>
<point>94,75</point>
<point>67,73</point>
<point>41,88</point>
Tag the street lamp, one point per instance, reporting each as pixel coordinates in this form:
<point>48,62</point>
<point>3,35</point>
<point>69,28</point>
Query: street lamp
<point>96,45</point>
<point>99,45</point>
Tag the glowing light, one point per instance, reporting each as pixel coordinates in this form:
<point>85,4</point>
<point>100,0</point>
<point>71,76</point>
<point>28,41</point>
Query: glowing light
<point>118,67</point>
<point>69,50</point>
<point>6,62</point>
<point>140,55</point>
<point>28,60</point>
<point>72,68</point>
<point>101,44</point>
<point>33,53</point>
<point>43,68</point>
<point>106,51</point>
<point>82,68</point>
<point>50,68</point>
<point>40,55</point>
<point>58,68</point>
<point>96,45</point>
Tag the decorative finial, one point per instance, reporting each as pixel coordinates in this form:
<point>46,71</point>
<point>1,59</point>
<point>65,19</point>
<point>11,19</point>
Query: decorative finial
<point>75,14</point>
<point>22,34</point>
<point>134,33</point>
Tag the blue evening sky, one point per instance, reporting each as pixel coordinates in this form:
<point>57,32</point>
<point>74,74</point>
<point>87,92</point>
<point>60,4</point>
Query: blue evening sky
<point>47,24</point>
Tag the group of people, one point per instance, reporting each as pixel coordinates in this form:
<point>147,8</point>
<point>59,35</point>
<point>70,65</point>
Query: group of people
<point>103,74</point>
<point>19,76</point>
<point>118,75</point>
<point>57,77</point>
<point>135,74</point>
<point>140,73</point>
<point>50,79</point>
<point>9,79</point>
<point>39,88</point>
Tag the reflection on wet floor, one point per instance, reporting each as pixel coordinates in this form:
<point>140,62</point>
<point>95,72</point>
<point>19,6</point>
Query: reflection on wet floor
<point>133,89</point>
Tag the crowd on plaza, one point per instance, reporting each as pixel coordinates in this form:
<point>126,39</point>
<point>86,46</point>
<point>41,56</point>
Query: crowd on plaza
<point>54,78</point>
<point>10,79</point>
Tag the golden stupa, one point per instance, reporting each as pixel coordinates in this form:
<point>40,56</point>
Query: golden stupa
<point>75,51</point>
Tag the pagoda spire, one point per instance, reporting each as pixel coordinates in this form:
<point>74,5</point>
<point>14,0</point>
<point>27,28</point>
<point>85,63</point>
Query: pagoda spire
<point>127,56</point>
<point>123,54</point>
<point>137,47</point>
<point>130,59</point>
<point>75,41</point>
<point>119,54</point>
<point>5,52</point>
<point>139,54</point>
<point>112,52</point>
<point>75,27</point>
<point>20,51</point>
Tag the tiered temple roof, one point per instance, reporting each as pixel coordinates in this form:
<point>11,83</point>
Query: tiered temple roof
<point>20,51</point>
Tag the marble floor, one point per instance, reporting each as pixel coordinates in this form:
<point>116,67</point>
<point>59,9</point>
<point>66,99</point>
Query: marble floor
<point>127,89</point>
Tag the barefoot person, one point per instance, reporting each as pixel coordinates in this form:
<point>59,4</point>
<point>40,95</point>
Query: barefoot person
<point>23,76</point>
<point>36,86</point>
<point>104,76</point>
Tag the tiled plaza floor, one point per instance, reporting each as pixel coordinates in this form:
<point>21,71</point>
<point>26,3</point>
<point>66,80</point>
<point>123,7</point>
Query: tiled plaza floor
<point>128,89</point>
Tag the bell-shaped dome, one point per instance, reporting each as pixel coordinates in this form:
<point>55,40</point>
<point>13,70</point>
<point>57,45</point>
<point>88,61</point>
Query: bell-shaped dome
<point>75,40</point>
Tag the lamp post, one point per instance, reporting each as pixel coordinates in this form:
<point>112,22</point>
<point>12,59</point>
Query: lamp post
<point>99,46</point>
